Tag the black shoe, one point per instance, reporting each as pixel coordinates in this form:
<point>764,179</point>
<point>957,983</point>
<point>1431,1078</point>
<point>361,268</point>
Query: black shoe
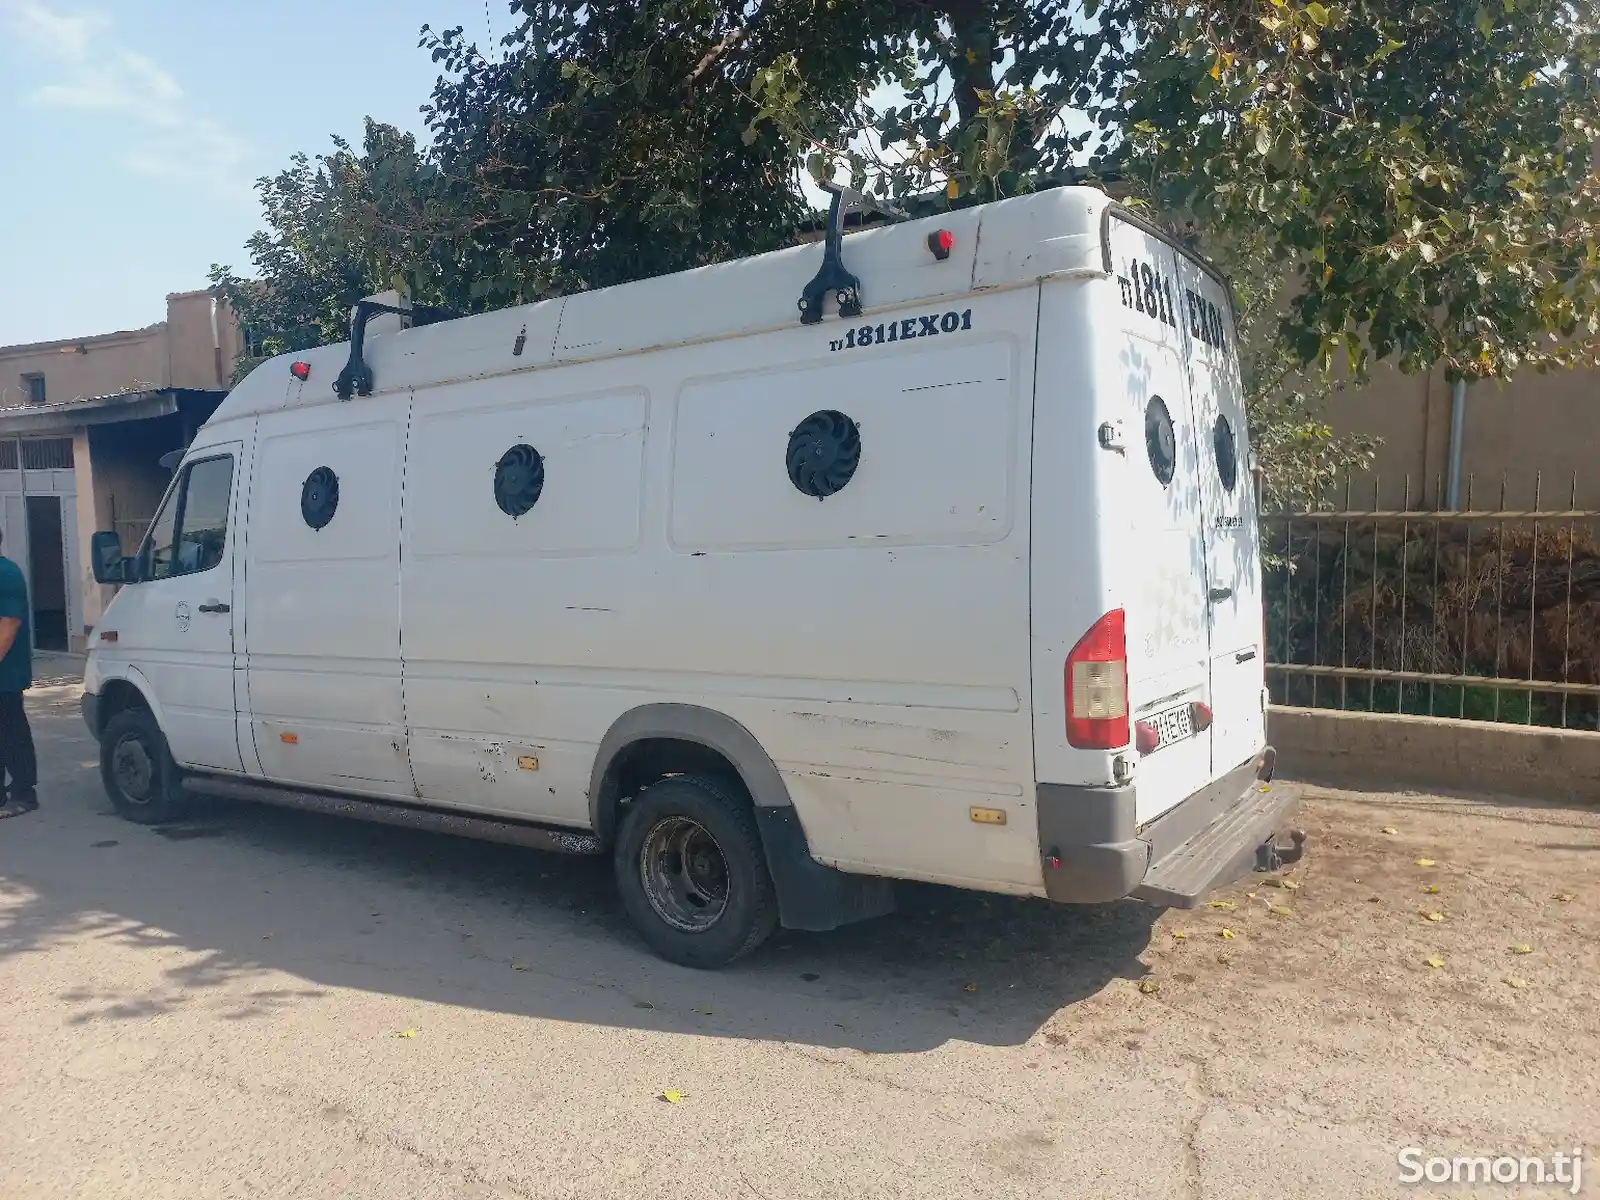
<point>24,801</point>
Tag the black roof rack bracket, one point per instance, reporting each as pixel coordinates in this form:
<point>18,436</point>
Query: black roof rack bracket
<point>356,378</point>
<point>832,276</point>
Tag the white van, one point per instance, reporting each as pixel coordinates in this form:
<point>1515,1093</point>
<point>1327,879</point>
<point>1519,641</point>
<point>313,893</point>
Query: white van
<point>963,586</point>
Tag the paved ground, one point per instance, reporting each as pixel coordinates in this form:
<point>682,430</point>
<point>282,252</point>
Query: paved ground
<point>218,1009</point>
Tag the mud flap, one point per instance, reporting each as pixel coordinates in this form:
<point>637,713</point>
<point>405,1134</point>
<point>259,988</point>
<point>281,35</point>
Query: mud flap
<point>811,896</point>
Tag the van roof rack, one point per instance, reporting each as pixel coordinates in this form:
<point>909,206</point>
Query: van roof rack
<point>356,378</point>
<point>832,275</point>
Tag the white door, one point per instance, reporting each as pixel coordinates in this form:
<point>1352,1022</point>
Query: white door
<point>323,643</point>
<point>176,626</point>
<point>1163,556</point>
<point>1233,563</point>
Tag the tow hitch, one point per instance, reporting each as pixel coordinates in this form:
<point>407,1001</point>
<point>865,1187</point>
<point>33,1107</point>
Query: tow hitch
<point>1270,856</point>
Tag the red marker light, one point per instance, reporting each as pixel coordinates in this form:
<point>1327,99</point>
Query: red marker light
<point>1146,737</point>
<point>300,370</point>
<point>941,242</point>
<point>1202,716</point>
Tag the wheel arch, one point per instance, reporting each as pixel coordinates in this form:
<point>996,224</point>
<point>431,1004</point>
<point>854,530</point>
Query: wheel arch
<point>121,692</point>
<point>691,739</point>
<point>687,724</point>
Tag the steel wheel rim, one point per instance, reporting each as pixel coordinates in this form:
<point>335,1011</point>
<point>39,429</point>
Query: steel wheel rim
<point>133,769</point>
<point>684,873</point>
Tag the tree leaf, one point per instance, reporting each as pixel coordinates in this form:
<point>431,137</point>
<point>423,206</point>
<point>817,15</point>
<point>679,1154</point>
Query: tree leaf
<point>1317,13</point>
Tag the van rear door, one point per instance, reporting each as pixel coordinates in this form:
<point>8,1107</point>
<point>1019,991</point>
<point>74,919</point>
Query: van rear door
<point>1158,551</point>
<point>1233,564</point>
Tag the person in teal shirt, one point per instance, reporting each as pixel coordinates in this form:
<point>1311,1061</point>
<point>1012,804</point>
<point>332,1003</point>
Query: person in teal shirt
<point>17,759</point>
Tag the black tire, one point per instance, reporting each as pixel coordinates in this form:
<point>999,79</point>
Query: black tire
<point>737,907</point>
<point>137,769</point>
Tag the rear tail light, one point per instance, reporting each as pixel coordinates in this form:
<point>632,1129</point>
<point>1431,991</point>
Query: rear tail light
<point>1096,684</point>
<point>1146,737</point>
<point>1202,716</point>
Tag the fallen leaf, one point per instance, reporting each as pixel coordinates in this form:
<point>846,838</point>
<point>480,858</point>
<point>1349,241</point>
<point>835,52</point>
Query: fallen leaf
<point>1292,885</point>
<point>1515,982</point>
<point>1225,933</point>
<point>1273,881</point>
<point>265,936</point>
<point>1563,897</point>
<point>1522,948</point>
<point>1390,829</point>
<point>1432,916</point>
<point>1279,909</point>
<point>1251,895</point>
<point>407,1033</point>
<point>672,1096</point>
<point>1179,934</point>
<point>810,976</point>
<point>519,966</point>
<point>643,1004</point>
<point>1432,889</point>
<point>1224,905</point>
<point>1149,987</point>
<point>1225,959</point>
<point>1426,862</point>
<point>1374,899</point>
<point>972,987</point>
<point>1436,963</point>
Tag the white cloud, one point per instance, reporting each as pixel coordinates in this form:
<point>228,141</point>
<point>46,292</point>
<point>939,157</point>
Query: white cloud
<point>156,129</point>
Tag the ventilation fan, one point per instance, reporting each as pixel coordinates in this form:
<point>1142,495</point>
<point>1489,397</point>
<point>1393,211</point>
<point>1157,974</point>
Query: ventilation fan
<point>319,497</point>
<point>518,479</point>
<point>1160,440</point>
<point>824,451</point>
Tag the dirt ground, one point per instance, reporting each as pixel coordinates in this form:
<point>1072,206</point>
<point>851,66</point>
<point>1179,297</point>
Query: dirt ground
<point>218,1009</point>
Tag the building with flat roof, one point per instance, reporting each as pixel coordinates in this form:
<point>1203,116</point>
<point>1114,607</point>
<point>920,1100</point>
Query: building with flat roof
<point>84,425</point>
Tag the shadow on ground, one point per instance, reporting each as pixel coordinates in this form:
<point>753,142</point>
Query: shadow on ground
<point>243,896</point>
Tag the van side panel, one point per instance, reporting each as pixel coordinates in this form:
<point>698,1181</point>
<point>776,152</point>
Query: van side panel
<point>875,643</point>
<point>323,637</point>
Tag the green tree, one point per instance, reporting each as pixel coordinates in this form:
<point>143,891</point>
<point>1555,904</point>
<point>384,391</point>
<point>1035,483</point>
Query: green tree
<point>1420,170</point>
<point>1426,167</point>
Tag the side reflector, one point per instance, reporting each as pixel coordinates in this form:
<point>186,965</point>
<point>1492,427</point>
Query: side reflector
<point>987,816</point>
<point>300,370</point>
<point>108,635</point>
<point>289,739</point>
<point>527,762</point>
<point>1096,686</point>
<point>941,242</point>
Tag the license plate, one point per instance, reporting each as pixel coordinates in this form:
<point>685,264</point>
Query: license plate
<point>1174,725</point>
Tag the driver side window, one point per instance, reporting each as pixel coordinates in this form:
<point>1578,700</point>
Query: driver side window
<point>191,531</point>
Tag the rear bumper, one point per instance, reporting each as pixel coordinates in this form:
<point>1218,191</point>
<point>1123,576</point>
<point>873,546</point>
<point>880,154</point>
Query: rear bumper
<point>1093,851</point>
<point>91,712</point>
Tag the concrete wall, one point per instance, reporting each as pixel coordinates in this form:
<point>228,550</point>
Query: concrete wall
<point>178,352</point>
<point>1387,751</point>
<point>1538,430</point>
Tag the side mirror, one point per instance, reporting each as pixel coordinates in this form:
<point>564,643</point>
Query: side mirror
<point>105,551</point>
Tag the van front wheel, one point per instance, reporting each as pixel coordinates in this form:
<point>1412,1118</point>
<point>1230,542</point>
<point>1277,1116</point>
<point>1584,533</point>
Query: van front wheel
<point>693,874</point>
<point>138,771</point>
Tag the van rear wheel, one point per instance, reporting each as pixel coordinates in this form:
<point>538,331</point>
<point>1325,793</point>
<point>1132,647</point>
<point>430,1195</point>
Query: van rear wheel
<point>138,771</point>
<point>693,874</point>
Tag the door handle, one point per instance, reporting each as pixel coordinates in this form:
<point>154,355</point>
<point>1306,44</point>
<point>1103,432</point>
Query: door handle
<point>1244,656</point>
<point>1216,595</point>
<point>216,606</point>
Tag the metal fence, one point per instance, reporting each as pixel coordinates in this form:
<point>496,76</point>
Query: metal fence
<point>1486,613</point>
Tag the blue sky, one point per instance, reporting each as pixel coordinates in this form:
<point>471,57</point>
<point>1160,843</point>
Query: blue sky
<point>131,132</point>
